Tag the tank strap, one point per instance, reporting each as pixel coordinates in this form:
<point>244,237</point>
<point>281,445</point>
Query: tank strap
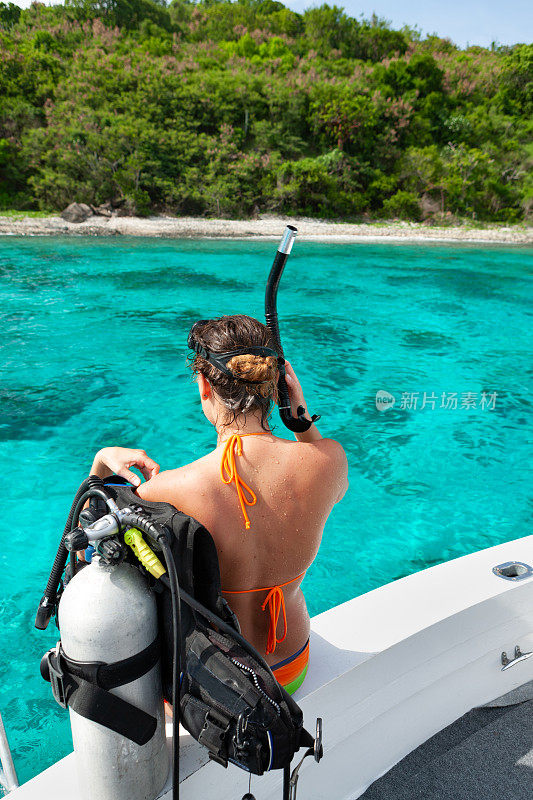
<point>109,676</point>
<point>107,709</point>
<point>84,687</point>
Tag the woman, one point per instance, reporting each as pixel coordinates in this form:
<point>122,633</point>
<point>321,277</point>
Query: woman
<point>264,499</point>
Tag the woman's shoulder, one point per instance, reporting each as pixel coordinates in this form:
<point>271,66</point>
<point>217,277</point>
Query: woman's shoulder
<point>323,449</point>
<point>325,464</point>
<point>172,485</point>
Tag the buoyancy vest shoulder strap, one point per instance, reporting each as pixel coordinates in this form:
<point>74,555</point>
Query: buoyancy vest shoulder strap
<point>192,545</point>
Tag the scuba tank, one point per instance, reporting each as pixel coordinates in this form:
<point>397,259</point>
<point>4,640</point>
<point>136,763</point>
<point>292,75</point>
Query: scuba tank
<point>109,764</point>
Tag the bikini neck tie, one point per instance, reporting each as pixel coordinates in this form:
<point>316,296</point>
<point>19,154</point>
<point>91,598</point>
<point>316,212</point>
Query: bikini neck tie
<point>229,474</point>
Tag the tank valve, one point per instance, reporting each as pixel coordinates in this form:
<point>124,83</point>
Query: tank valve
<point>111,551</point>
<point>76,540</point>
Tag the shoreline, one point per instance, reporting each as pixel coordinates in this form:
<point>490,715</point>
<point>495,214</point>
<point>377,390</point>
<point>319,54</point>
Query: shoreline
<point>267,227</point>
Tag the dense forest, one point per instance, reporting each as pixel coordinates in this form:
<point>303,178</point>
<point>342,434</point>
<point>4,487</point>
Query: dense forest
<point>242,108</point>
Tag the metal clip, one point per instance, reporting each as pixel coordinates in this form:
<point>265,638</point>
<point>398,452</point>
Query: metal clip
<point>57,676</point>
<point>239,740</point>
<point>316,751</point>
<point>518,656</point>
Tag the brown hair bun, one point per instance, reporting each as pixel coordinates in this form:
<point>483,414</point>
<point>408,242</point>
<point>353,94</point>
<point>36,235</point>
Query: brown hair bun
<point>260,370</point>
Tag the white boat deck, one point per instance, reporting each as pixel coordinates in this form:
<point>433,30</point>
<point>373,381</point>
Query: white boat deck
<point>389,670</point>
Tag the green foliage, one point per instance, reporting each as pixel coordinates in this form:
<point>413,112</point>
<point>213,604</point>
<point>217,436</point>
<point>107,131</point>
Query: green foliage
<point>347,117</point>
<point>403,205</point>
<point>328,29</point>
<point>517,80</point>
<point>417,77</point>
<point>122,13</point>
<point>325,186</point>
<point>9,14</point>
<point>234,108</point>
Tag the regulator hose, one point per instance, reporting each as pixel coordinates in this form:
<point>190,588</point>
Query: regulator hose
<point>300,423</point>
<point>176,665</point>
<point>91,485</point>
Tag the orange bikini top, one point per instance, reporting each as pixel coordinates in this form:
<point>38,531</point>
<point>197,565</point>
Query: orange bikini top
<point>275,601</point>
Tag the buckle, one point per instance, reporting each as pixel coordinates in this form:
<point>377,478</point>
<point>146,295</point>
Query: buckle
<point>213,734</point>
<point>57,678</point>
<point>218,759</point>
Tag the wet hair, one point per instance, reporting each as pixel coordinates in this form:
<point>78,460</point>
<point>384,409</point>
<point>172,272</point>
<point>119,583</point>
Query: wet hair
<point>239,397</point>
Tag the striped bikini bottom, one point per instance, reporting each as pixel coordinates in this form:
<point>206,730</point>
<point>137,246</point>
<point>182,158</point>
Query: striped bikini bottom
<point>292,671</point>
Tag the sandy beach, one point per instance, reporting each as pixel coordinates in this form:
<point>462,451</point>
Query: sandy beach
<point>267,227</point>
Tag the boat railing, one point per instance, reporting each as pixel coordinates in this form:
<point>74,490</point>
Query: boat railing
<point>8,775</point>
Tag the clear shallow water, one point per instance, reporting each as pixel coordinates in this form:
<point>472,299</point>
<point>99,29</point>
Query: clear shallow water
<point>92,339</point>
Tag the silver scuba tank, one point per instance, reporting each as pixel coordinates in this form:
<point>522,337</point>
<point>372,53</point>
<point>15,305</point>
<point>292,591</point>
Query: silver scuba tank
<point>107,613</point>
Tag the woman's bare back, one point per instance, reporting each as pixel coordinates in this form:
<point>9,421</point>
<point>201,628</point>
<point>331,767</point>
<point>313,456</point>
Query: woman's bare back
<point>296,485</point>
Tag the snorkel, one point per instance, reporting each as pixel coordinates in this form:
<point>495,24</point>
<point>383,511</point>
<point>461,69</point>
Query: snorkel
<point>298,424</point>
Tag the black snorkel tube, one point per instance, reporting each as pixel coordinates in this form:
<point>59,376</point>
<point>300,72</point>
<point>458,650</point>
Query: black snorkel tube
<point>300,423</point>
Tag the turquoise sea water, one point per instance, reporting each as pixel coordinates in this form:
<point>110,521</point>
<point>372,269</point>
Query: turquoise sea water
<point>93,333</point>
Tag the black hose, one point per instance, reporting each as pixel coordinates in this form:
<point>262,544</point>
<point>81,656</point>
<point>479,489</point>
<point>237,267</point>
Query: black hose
<point>286,782</point>
<point>48,600</point>
<point>176,665</point>
<point>93,491</point>
<point>62,552</point>
<point>300,423</point>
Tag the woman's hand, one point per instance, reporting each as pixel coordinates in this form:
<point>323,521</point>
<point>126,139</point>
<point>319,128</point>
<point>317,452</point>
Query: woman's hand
<point>118,460</point>
<point>296,397</point>
<point>296,394</point>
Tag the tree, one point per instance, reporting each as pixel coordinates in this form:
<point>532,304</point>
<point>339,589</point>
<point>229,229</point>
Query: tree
<point>9,14</point>
<point>516,92</point>
<point>231,107</point>
<point>123,13</point>
<point>347,117</point>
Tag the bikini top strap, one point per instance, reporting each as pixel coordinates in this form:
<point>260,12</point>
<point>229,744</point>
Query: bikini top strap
<point>275,603</point>
<point>229,474</point>
<point>264,588</point>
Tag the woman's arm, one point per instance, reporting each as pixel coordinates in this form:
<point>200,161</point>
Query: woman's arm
<point>118,460</point>
<point>296,396</point>
<point>339,462</point>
